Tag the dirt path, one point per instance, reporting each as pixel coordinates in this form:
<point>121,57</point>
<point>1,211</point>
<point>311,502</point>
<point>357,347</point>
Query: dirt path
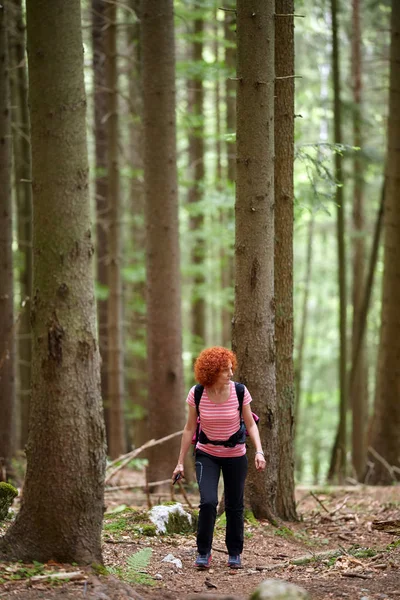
<point>333,552</point>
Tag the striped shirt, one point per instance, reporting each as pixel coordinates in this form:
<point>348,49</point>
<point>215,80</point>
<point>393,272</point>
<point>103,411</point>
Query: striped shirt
<point>220,421</point>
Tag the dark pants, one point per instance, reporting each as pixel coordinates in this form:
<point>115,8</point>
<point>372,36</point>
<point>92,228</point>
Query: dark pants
<point>234,471</point>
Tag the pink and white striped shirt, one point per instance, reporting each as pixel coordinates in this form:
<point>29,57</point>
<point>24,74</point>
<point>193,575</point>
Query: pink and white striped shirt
<point>220,421</point>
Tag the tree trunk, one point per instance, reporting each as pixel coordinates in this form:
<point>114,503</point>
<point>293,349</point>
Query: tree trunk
<point>253,324</point>
<point>62,505</point>
<point>7,351</point>
<point>101,189</point>
<point>164,333</point>
<point>228,270</point>
<point>117,441</point>
<point>359,391</point>
<point>385,439</point>
<point>339,451</point>
<point>197,172</point>
<point>23,198</point>
<point>135,360</point>
<point>284,217</point>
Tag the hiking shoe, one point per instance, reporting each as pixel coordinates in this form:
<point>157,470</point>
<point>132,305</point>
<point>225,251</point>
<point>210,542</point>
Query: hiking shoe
<point>203,561</point>
<point>234,562</point>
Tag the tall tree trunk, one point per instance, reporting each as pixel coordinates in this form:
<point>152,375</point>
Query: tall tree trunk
<point>117,441</point>
<point>62,506</point>
<point>137,363</point>
<point>101,188</point>
<point>7,352</point>
<point>359,390</point>
<point>23,197</point>
<point>164,333</point>
<point>339,450</point>
<point>253,324</point>
<point>228,271</point>
<point>284,216</point>
<point>197,172</point>
<point>384,438</point>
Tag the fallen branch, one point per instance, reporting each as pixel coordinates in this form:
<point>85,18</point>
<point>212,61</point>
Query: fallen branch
<point>126,458</point>
<point>302,560</point>
<point>73,575</point>
<point>355,574</point>
<point>116,488</point>
<point>319,502</point>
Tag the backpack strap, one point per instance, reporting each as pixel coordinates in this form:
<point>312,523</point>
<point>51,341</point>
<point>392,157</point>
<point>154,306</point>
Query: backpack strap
<point>198,392</point>
<point>240,395</point>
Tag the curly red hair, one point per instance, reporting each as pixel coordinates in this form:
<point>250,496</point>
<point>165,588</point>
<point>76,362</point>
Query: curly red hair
<point>211,362</point>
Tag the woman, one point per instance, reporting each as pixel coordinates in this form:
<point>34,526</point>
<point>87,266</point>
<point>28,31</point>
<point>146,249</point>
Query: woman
<point>219,420</point>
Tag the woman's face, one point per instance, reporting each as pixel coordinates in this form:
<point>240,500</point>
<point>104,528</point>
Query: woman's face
<point>225,375</point>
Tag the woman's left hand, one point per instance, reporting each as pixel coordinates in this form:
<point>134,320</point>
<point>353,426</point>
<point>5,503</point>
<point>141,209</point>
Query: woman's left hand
<point>260,461</point>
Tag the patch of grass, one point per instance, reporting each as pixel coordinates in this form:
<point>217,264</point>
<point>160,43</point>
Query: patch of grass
<point>284,532</point>
<point>116,525</point>
<point>393,546</point>
<point>18,571</point>
<point>248,535</point>
<point>363,552</point>
<point>250,518</point>
<point>99,569</point>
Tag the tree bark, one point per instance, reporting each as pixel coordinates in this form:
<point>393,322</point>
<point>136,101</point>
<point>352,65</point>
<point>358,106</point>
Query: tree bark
<point>339,450</point>
<point>359,390</point>
<point>117,440</point>
<point>7,347</point>
<point>228,269</point>
<point>385,427</point>
<point>135,360</point>
<point>101,189</point>
<point>197,173</point>
<point>62,505</point>
<point>164,341</point>
<point>23,199</point>
<point>253,324</point>
<point>284,217</point>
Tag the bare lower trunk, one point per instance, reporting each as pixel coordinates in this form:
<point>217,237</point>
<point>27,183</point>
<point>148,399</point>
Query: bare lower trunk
<point>117,441</point>
<point>101,187</point>
<point>253,325</point>
<point>62,504</point>
<point>23,197</point>
<point>385,439</point>
<point>164,342</point>
<point>284,217</point>
<point>7,353</point>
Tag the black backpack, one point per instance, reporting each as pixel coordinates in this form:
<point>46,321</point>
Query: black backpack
<point>239,437</point>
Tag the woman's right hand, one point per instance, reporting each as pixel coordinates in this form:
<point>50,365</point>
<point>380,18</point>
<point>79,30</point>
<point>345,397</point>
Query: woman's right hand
<point>178,469</point>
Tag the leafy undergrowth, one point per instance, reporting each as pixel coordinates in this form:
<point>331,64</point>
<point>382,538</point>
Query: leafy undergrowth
<point>333,552</point>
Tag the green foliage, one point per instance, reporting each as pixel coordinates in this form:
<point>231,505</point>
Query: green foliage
<point>250,518</point>
<point>18,571</point>
<point>7,494</point>
<point>135,568</point>
<point>99,569</point>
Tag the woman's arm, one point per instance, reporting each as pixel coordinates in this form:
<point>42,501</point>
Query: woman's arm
<point>254,435</point>
<point>187,436</point>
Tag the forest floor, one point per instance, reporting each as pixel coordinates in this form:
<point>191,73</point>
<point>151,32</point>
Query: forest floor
<point>334,551</point>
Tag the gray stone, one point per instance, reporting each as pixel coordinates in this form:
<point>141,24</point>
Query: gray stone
<point>277,589</point>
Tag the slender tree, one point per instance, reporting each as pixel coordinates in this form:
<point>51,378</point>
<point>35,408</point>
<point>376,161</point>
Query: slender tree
<point>164,329</point>
<point>23,198</point>
<point>62,505</point>
<point>359,389</point>
<point>338,461</point>
<point>384,440</point>
<point>135,360</point>
<point>7,353</point>
<point>99,28</point>
<point>197,173</point>
<point>228,271</point>
<point>253,324</point>
<point>284,201</point>
<point>115,377</point>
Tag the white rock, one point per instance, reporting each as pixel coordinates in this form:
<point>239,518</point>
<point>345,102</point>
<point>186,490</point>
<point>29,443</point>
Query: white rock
<point>159,515</point>
<point>170,558</point>
<point>158,576</point>
<point>277,589</point>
